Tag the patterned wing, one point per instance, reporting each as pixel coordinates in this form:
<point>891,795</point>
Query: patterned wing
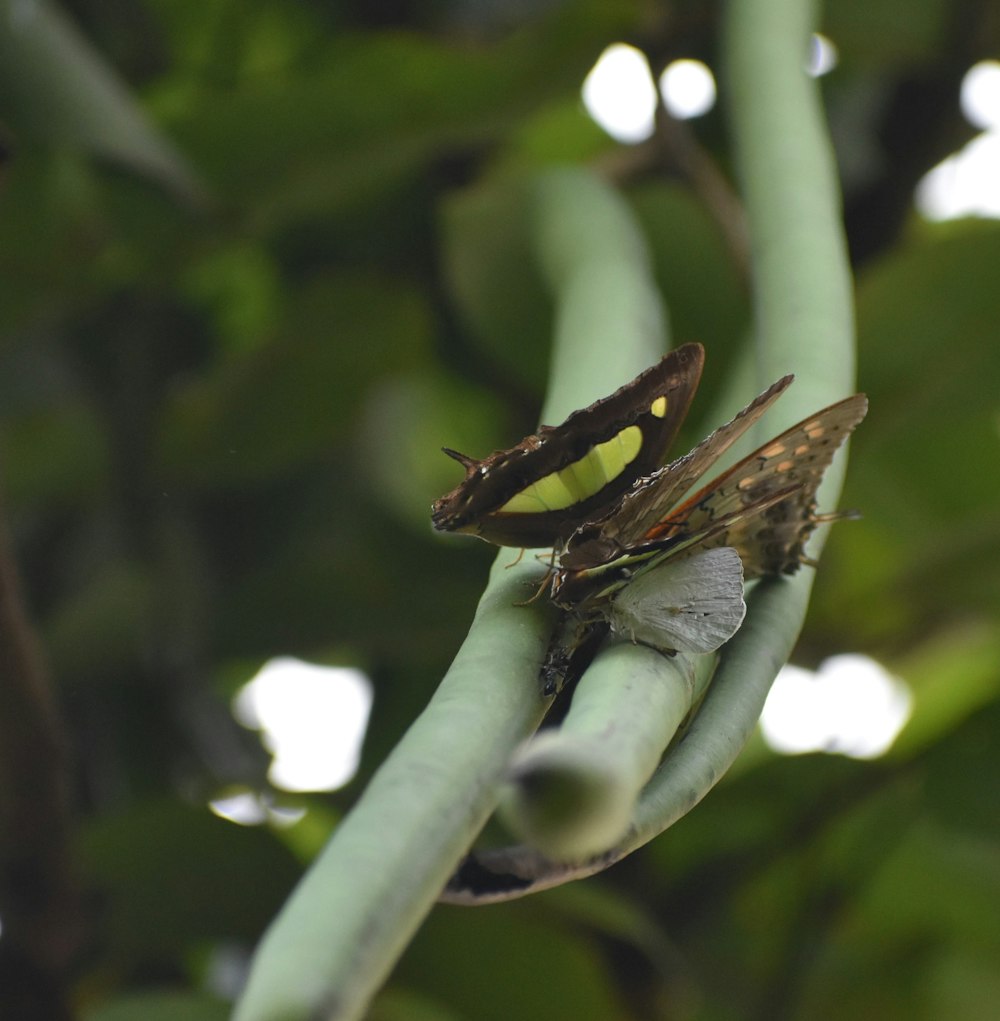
<point>772,540</point>
<point>537,492</point>
<point>639,509</point>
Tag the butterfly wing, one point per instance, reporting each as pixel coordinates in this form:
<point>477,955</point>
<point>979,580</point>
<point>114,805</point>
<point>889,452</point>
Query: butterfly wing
<point>646,504</point>
<point>764,507</point>
<point>540,490</point>
<point>771,541</point>
<point>688,603</point>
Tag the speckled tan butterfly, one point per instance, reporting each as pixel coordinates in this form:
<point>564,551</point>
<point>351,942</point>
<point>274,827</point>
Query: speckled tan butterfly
<point>647,567</point>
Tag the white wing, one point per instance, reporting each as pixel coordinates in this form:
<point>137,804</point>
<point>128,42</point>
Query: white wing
<point>691,603</point>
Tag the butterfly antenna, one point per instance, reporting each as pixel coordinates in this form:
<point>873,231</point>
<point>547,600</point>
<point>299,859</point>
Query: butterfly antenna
<point>463,459</point>
<point>826,519</point>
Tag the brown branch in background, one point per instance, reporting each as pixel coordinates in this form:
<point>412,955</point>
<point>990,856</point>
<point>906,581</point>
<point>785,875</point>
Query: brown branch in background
<point>40,904</point>
<point>678,147</point>
<point>675,150</point>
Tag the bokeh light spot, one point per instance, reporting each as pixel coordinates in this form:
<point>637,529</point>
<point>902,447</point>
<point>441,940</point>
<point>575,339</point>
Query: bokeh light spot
<point>688,88</point>
<point>619,94</point>
<point>980,96</point>
<point>850,706</point>
<point>823,56</point>
<point>312,720</point>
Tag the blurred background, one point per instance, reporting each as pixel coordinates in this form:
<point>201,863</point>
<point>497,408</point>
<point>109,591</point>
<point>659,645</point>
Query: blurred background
<point>260,261</point>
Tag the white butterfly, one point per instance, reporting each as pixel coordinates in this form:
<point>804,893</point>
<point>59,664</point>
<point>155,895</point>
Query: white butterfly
<point>687,603</point>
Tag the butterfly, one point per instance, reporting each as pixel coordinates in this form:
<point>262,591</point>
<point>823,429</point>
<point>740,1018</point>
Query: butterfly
<point>764,506</point>
<point>668,569</point>
<point>537,493</point>
<point>634,551</point>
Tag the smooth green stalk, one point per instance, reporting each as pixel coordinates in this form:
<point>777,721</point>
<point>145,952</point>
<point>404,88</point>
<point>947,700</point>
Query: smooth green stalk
<point>804,323</point>
<point>350,917</point>
<point>575,787</point>
<point>803,292</point>
<point>345,925</point>
<point>610,322</point>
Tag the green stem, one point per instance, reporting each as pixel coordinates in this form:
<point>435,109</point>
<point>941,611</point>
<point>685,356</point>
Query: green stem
<point>345,925</point>
<point>803,291</point>
<point>575,787</point>
<point>610,322</point>
<point>804,323</point>
<point>350,917</point>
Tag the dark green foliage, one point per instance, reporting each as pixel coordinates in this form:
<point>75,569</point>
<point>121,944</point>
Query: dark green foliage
<point>243,302</point>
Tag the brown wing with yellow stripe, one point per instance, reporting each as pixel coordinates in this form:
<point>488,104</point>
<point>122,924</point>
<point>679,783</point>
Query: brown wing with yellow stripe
<point>605,538</point>
<point>539,491</point>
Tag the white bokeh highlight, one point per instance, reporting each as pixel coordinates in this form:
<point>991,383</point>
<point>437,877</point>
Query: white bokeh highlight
<point>980,96</point>
<point>688,88</point>
<point>850,706</point>
<point>823,56</point>
<point>619,94</point>
<point>251,808</point>
<point>312,720</point>
<point>967,183</point>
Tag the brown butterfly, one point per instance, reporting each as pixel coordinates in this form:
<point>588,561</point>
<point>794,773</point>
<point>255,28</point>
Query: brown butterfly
<point>763,507</point>
<point>632,545</point>
<point>667,570</point>
<point>544,488</point>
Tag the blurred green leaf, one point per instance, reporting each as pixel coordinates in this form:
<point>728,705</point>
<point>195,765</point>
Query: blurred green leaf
<point>700,281</point>
<point>498,286</point>
<point>538,971</point>
<point>161,1006</point>
<point>887,32</point>
<point>58,89</point>
<point>170,876</point>
<point>263,412</point>
<point>962,782</point>
<point>56,454</point>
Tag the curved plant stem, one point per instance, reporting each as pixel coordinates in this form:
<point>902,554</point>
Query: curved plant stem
<point>341,931</point>
<point>803,293</point>
<point>343,928</point>
<point>575,786</point>
<point>804,323</point>
<point>350,917</point>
